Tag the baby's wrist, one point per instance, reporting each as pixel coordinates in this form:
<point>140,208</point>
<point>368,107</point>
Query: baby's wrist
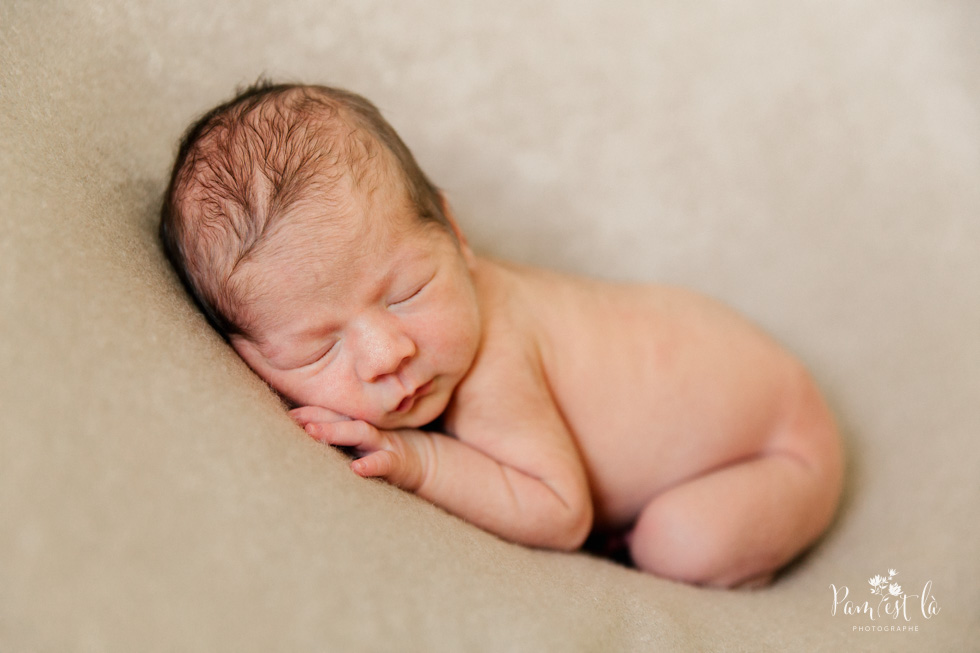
<point>419,456</point>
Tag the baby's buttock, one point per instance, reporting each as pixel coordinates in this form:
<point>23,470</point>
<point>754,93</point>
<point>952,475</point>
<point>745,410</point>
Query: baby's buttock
<point>659,385</point>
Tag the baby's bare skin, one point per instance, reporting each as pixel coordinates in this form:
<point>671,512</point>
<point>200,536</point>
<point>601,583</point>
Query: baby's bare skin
<point>692,424</point>
<point>684,383</point>
<point>568,404</point>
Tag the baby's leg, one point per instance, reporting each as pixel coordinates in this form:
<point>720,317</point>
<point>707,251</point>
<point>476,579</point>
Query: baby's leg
<point>738,524</point>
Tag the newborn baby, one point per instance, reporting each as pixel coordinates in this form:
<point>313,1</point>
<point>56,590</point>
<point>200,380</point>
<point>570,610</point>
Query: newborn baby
<point>538,406</point>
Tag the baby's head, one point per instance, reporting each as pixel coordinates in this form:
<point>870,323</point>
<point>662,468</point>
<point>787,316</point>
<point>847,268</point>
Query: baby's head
<point>311,239</point>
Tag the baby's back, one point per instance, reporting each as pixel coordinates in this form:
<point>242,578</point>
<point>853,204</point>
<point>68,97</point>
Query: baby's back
<point>657,384</point>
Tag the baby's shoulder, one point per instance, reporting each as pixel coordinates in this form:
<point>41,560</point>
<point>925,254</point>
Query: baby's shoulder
<point>508,297</point>
<point>508,364</point>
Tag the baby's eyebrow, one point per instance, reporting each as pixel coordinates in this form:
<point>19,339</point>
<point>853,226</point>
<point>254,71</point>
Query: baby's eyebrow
<point>403,265</point>
<point>398,269</point>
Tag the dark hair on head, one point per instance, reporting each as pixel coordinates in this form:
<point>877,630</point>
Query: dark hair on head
<point>244,165</point>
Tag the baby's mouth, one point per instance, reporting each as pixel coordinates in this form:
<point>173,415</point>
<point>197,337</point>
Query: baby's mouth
<point>408,402</point>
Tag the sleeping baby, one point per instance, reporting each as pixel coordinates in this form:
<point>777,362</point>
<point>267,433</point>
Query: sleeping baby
<point>539,406</point>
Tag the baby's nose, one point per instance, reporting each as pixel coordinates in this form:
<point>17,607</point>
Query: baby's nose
<point>384,349</point>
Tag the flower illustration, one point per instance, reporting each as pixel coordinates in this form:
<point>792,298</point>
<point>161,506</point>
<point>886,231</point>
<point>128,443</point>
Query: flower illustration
<point>883,587</point>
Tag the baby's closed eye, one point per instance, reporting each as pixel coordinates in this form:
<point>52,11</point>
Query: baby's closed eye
<point>410,292</point>
<point>316,356</point>
<point>303,360</point>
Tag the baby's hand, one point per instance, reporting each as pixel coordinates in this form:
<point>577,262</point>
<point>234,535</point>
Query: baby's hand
<point>310,414</point>
<point>391,455</point>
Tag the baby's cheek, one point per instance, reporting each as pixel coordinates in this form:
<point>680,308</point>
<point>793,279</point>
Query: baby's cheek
<point>447,340</point>
<point>467,339</point>
<point>321,389</point>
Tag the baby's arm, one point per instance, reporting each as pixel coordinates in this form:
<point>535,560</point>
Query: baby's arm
<point>516,474</point>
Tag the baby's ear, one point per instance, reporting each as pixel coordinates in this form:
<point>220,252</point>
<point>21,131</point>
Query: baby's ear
<point>464,246</point>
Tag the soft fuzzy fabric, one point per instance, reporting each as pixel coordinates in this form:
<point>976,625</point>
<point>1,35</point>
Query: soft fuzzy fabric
<point>814,164</point>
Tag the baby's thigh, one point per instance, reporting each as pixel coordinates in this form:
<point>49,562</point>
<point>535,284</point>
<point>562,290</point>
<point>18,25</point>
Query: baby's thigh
<point>731,525</point>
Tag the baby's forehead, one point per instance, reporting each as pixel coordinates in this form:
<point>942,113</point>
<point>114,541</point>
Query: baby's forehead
<point>343,247</point>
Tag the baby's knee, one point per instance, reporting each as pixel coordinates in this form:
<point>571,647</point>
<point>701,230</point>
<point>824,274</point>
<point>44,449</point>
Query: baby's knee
<point>670,542</point>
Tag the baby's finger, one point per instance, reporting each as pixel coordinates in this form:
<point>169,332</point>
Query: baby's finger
<point>380,463</point>
<point>306,414</point>
<point>350,433</point>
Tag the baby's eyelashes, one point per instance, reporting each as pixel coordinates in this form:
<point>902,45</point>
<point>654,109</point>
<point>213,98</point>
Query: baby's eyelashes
<point>413,292</point>
<point>317,357</point>
<point>401,299</point>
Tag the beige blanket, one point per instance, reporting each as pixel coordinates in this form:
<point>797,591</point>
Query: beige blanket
<point>814,164</point>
